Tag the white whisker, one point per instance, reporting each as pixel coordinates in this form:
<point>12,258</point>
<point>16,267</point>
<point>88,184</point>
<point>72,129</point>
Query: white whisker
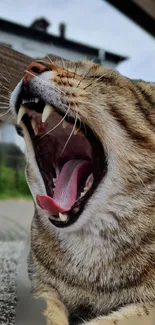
<point>84,76</point>
<point>4,103</point>
<point>49,59</point>
<point>4,78</point>
<point>94,81</point>
<point>4,97</point>
<point>52,63</point>
<point>5,87</point>
<point>6,112</point>
<point>74,126</point>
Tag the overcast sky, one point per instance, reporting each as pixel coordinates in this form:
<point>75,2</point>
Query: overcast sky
<point>93,22</point>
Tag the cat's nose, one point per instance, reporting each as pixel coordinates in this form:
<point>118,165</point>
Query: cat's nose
<point>34,69</point>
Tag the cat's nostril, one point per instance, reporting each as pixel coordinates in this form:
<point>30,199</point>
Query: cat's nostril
<point>36,69</point>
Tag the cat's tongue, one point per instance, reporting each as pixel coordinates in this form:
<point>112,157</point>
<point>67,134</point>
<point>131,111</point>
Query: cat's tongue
<point>65,193</point>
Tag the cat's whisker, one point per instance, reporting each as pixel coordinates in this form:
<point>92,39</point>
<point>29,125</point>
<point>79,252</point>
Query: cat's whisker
<point>96,80</point>
<point>4,103</point>
<point>72,132</point>
<point>1,115</point>
<point>5,87</point>
<point>6,69</point>
<point>53,63</point>
<point>1,75</point>
<point>4,97</point>
<point>84,76</point>
<point>76,66</point>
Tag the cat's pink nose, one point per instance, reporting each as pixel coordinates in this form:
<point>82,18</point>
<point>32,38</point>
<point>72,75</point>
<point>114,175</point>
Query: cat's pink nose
<point>33,70</point>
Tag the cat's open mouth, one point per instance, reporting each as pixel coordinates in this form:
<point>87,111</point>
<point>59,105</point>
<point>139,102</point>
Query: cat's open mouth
<point>70,158</point>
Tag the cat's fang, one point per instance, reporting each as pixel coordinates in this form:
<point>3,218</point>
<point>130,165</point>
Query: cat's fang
<point>48,110</point>
<point>63,217</point>
<point>33,124</point>
<point>64,124</point>
<point>36,130</point>
<point>76,130</point>
<point>21,113</point>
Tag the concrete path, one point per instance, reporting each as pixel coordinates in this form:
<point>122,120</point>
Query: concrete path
<point>15,219</point>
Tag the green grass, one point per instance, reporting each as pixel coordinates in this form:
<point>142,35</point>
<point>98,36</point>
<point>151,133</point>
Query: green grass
<point>13,183</point>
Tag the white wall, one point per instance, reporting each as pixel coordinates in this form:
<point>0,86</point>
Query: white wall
<point>38,49</point>
<point>7,133</point>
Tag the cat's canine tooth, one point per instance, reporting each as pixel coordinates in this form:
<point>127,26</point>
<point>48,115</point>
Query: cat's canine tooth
<point>82,194</point>
<point>34,124</point>
<point>54,180</point>
<point>36,100</point>
<point>48,109</point>
<point>64,124</point>
<point>36,130</point>
<point>21,113</point>
<point>76,210</point>
<point>63,217</point>
<point>76,130</point>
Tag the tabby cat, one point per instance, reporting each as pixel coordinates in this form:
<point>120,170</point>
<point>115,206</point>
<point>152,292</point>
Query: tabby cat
<point>90,140</point>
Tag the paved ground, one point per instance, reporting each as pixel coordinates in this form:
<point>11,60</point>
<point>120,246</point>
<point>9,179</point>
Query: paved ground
<point>15,219</point>
<point>15,222</point>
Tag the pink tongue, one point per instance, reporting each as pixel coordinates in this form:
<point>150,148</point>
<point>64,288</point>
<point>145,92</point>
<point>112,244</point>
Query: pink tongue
<point>65,193</point>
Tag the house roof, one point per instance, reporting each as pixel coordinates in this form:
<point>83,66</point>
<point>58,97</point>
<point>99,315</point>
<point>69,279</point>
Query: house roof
<point>142,12</point>
<point>31,33</point>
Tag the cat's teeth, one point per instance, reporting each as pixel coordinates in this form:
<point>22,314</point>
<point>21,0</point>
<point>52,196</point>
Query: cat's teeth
<point>21,113</point>
<point>36,100</point>
<point>89,181</point>
<point>82,194</point>
<point>48,110</point>
<point>76,130</point>
<point>34,124</point>
<point>85,190</point>
<point>54,181</point>
<point>64,124</point>
<point>76,210</point>
<point>63,217</point>
<point>36,130</point>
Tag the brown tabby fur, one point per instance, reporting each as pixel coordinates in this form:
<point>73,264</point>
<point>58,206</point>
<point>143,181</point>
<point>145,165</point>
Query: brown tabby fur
<point>103,267</point>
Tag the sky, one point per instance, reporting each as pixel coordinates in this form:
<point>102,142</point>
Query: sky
<point>92,22</point>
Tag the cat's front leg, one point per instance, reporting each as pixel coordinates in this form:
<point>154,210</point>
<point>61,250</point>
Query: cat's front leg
<point>132,314</point>
<point>55,312</point>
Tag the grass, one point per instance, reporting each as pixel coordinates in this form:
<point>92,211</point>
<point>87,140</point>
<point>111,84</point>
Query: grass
<point>14,195</point>
<point>13,183</point>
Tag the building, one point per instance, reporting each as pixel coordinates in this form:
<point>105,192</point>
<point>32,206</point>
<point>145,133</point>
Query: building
<point>35,41</point>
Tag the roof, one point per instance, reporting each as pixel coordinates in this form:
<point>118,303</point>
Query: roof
<point>142,12</point>
<point>31,33</point>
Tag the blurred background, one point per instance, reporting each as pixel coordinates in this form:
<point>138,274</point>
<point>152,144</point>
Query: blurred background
<point>117,34</point>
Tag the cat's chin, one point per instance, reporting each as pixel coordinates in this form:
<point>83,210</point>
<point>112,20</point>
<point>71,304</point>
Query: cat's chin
<point>68,155</point>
